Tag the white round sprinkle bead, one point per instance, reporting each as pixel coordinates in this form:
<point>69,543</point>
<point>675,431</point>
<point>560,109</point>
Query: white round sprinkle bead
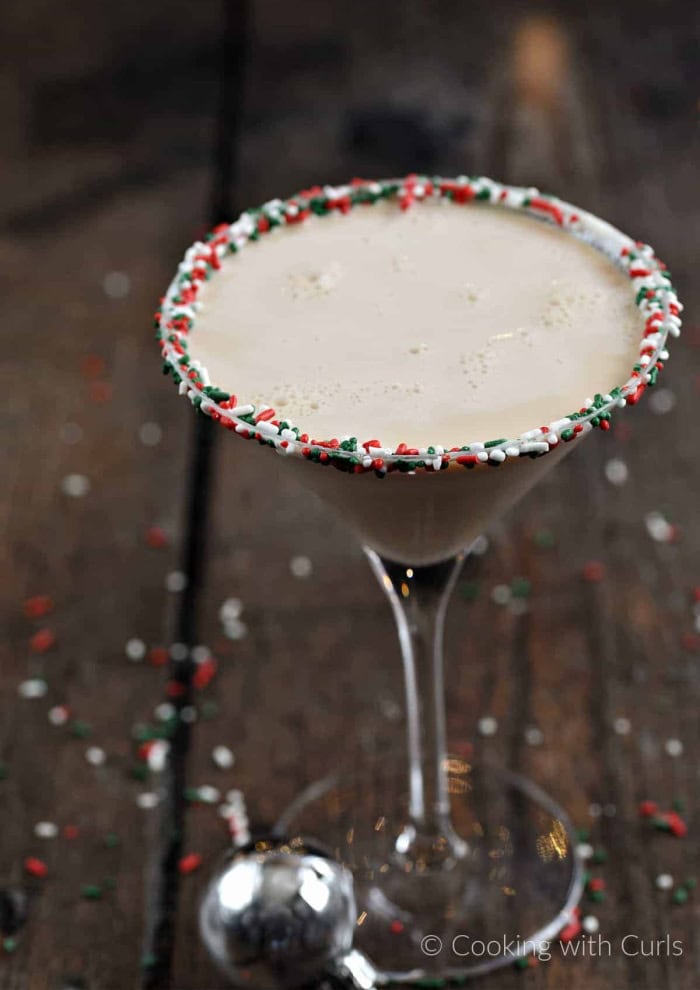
<point>95,756</point>
<point>301,567</point>
<point>35,687</point>
<point>46,830</point>
<point>135,649</point>
<point>487,726</point>
<point>673,747</point>
<point>188,714</point>
<point>150,434</point>
<point>501,594</point>
<point>148,800</point>
<point>116,285</point>
<point>616,471</point>
<point>75,485</point>
<point>200,654</point>
<point>622,726</point>
<point>70,434</point>
<point>223,757</point>
<point>158,755</point>
<point>534,736</point>
<point>164,711</point>
<point>658,527</point>
<point>235,629</point>
<point>208,794</point>
<point>661,401</point>
<point>664,881</point>
<point>585,850</point>
<point>178,652</point>
<point>58,715</point>
<point>595,810</point>
<point>175,581</point>
<point>230,609</point>
<point>590,924</point>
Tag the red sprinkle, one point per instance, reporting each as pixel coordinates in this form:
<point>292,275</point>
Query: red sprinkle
<point>158,656</point>
<point>189,863</point>
<point>42,640</point>
<point>647,809</point>
<point>71,831</point>
<point>204,674</point>
<point>156,537</point>
<point>39,605</point>
<point>35,867</point>
<point>593,571</point>
<point>174,689</point>
<point>100,392</point>
<point>396,927</point>
<point>93,366</point>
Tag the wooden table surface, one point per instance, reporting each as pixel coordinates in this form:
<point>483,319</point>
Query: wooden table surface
<point>107,151</point>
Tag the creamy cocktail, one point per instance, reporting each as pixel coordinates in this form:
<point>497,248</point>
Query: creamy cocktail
<point>421,351</point>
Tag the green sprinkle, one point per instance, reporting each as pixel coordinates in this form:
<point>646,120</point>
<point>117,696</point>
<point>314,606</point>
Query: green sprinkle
<point>111,840</point>
<point>678,804</point>
<point>680,895</point>
<point>9,944</point>
<point>597,895</point>
<point>691,883</point>
<point>582,834</point>
<point>139,771</point>
<point>209,710</point>
<point>494,443</point>
<point>600,856</point>
<point>81,730</point>
<point>149,960</point>
<point>544,539</point>
<point>91,891</point>
<point>469,590</point>
<point>520,587</point>
<point>522,962</point>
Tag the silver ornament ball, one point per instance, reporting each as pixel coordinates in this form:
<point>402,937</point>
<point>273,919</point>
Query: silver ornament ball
<point>277,913</point>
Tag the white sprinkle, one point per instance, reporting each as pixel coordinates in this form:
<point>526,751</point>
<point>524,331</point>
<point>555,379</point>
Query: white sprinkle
<point>235,798</point>
<point>223,757</point>
<point>208,794</point>
<point>150,434</point>
<point>200,654</point>
<point>595,810</point>
<point>164,711</point>
<point>157,757</point>
<point>46,830</point>
<point>622,726</point>
<point>176,581</point>
<point>116,285</point>
<point>501,594</point>
<point>178,652</point>
<point>534,736</point>
<point>135,649</point>
<point>590,924</point>
<point>616,471</point>
<point>35,687</point>
<point>70,434</point>
<point>609,810</point>
<point>518,606</point>
<point>479,546</point>
<point>661,401</point>
<point>95,756</point>
<point>235,629</point>
<point>188,714</point>
<point>664,881</point>
<point>58,715</point>
<point>585,850</point>
<point>147,800</point>
<point>75,485</point>
<point>230,609</point>
<point>658,527</point>
<point>487,726</point>
<point>301,567</point>
<point>673,747</point>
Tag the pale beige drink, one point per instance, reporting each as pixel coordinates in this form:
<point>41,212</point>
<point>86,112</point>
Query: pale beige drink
<point>437,325</point>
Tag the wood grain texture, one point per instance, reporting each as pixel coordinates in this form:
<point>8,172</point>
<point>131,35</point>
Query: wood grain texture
<point>317,675</point>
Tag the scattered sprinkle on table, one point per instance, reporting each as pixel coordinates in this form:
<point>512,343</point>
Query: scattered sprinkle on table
<point>534,736</point>
<point>150,434</point>
<point>590,924</point>
<point>664,881</point>
<point>662,401</point>
<point>156,538</point>
<point>34,687</point>
<point>116,285</point>
<point>46,830</point>
<point>37,606</point>
<point>135,649</point>
<point>301,567</point>
<point>659,528</point>
<point>501,594</point>
<point>673,747</point>
<point>622,726</point>
<point>175,581</point>
<point>75,485</point>
<point>95,756</point>
<point>223,757</point>
<point>179,652</point>
<point>58,715</point>
<point>42,641</point>
<point>189,863</point>
<point>593,571</point>
<point>147,800</point>
<point>35,867</point>
<point>70,434</point>
<point>487,726</point>
<point>616,471</point>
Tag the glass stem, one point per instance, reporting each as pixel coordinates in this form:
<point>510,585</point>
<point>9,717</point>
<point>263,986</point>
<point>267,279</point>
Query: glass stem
<point>418,598</point>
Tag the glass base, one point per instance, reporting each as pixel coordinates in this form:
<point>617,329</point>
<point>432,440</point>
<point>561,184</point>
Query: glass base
<point>511,892</point>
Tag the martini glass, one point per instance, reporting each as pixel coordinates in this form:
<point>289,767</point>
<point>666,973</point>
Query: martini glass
<point>458,868</point>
